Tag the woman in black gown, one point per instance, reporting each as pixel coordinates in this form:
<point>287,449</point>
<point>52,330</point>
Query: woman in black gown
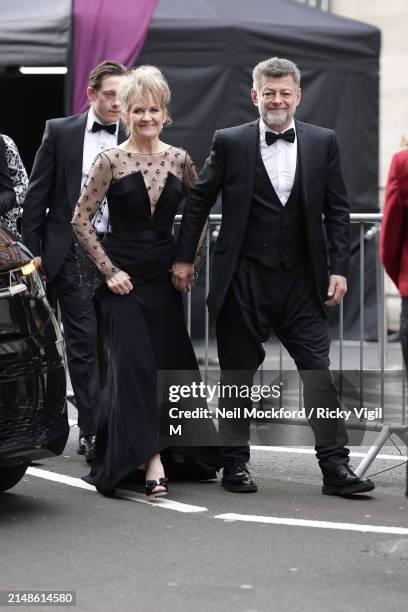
<point>144,181</point>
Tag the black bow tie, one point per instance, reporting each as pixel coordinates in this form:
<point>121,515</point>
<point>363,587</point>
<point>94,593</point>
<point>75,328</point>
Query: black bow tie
<point>97,127</point>
<point>289,136</point>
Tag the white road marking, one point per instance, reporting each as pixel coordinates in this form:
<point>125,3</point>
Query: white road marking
<point>166,504</point>
<point>298,451</point>
<point>160,502</point>
<point>274,520</point>
<point>310,451</point>
<point>301,451</point>
<point>62,478</point>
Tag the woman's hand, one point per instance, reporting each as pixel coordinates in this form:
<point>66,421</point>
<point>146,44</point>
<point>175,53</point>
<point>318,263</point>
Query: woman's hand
<point>37,261</point>
<point>120,283</point>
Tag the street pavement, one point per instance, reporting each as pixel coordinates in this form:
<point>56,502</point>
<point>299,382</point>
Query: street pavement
<point>286,548</point>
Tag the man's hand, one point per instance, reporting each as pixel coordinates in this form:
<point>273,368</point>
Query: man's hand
<point>120,283</point>
<point>337,289</point>
<point>182,275</point>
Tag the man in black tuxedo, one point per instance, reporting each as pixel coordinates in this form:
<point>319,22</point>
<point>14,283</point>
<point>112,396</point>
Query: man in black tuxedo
<point>60,168</point>
<point>272,267</point>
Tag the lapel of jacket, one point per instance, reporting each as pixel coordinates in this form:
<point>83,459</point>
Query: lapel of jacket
<point>74,153</point>
<point>122,133</point>
<point>251,146</point>
<point>301,134</point>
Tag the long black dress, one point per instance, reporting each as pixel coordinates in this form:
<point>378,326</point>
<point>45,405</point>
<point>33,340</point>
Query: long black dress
<point>145,329</point>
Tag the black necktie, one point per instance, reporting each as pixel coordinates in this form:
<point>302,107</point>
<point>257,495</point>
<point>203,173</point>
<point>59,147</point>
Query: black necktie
<point>289,136</point>
<point>97,127</point>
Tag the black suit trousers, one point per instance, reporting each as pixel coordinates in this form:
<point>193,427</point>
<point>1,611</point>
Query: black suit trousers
<point>286,300</point>
<point>80,333</point>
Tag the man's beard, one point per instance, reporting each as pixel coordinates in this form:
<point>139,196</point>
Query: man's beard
<point>277,118</point>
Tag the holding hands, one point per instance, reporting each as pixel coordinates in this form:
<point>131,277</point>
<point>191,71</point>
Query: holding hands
<point>120,283</point>
<point>182,275</point>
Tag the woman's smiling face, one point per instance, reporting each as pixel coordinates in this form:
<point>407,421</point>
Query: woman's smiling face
<point>145,119</point>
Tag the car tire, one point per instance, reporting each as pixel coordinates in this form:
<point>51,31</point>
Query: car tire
<point>10,475</point>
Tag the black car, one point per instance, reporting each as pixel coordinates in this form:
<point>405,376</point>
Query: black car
<point>33,410</point>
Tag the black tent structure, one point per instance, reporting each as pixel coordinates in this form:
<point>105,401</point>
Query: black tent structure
<point>34,33</point>
<point>207,49</point>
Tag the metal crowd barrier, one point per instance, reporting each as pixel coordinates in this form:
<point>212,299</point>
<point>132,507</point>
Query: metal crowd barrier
<point>383,428</point>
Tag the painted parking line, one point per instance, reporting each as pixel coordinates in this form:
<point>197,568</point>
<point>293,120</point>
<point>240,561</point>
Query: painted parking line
<point>311,451</point>
<point>166,504</point>
<point>275,520</point>
<point>61,478</point>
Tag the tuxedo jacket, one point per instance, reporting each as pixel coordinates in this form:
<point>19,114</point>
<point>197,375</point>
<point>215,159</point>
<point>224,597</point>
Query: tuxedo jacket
<point>230,168</point>
<point>394,227</point>
<point>53,190</point>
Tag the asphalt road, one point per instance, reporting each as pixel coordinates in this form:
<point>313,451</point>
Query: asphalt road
<point>129,554</point>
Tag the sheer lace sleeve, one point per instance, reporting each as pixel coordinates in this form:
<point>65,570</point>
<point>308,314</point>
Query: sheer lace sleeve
<point>93,192</point>
<point>189,173</point>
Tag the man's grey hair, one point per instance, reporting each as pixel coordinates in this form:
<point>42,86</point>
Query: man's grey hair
<point>275,67</point>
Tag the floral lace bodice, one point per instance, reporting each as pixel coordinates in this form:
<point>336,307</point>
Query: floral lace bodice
<point>109,168</point>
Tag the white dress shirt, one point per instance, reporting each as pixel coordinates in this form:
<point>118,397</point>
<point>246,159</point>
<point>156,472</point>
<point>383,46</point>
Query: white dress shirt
<point>94,143</point>
<point>280,160</point>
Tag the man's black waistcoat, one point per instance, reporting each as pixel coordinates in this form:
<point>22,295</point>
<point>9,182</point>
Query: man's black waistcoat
<point>275,233</point>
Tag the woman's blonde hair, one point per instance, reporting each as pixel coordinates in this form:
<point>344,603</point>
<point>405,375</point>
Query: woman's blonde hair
<point>142,82</point>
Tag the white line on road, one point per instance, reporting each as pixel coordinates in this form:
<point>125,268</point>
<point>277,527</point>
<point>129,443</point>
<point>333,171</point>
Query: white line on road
<point>310,451</point>
<point>62,478</point>
<point>274,520</point>
<point>301,451</point>
<point>169,504</point>
<point>166,504</point>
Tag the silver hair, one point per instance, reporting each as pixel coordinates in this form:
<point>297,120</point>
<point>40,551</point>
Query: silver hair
<point>275,67</point>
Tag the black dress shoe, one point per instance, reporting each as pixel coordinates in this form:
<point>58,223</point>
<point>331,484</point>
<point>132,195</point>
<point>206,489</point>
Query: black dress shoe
<point>237,478</point>
<point>89,448</point>
<point>343,481</point>
<point>81,444</point>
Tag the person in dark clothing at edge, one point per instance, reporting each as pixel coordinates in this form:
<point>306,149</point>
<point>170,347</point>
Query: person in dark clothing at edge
<point>60,168</point>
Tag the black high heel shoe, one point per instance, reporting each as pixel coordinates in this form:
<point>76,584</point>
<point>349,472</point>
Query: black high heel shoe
<point>152,484</point>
